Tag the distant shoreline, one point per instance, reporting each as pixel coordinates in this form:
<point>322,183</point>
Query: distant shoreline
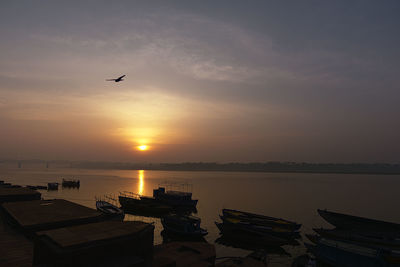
<point>267,167</point>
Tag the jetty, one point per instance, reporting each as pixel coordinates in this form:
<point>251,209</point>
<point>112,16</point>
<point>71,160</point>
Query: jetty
<point>108,243</point>
<point>11,194</point>
<point>58,232</point>
<point>37,215</point>
<point>15,248</point>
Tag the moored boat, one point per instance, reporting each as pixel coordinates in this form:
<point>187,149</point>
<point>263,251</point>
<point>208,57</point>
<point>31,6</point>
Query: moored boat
<point>257,219</point>
<point>340,253</point>
<point>175,198</point>
<point>109,209</point>
<point>250,236</point>
<point>183,225</point>
<point>350,222</point>
<point>133,203</point>
<point>229,241</point>
<point>71,183</point>
<point>270,229</point>
<point>41,187</point>
<point>52,186</point>
<point>368,239</point>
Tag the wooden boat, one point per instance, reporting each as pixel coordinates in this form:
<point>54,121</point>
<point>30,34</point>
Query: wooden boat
<point>338,253</point>
<point>109,209</point>
<point>368,239</point>
<point>71,183</point>
<point>273,229</point>
<point>41,187</point>
<point>313,238</point>
<point>183,225</point>
<point>250,236</point>
<point>52,186</point>
<point>229,241</point>
<point>32,187</point>
<point>257,219</point>
<point>145,206</point>
<point>350,222</point>
<point>174,198</point>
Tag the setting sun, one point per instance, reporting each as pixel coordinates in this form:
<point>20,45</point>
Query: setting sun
<point>143,147</point>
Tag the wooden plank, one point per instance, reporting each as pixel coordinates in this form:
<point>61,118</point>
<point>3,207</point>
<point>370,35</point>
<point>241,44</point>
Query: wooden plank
<point>48,214</point>
<point>15,249</point>
<point>9,194</point>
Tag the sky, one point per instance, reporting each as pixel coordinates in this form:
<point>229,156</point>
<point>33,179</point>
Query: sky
<point>215,81</point>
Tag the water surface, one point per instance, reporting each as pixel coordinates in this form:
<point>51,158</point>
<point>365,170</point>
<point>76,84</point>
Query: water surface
<point>288,195</point>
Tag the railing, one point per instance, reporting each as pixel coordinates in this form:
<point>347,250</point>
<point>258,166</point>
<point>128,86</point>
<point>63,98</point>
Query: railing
<point>177,186</point>
<point>130,194</point>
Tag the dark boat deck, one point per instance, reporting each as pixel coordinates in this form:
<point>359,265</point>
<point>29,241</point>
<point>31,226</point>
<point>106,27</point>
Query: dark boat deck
<point>15,249</point>
<point>82,235</point>
<point>40,215</point>
<point>125,243</point>
<point>9,194</point>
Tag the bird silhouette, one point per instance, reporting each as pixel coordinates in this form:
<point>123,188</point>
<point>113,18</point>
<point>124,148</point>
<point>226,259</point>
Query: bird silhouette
<point>118,79</point>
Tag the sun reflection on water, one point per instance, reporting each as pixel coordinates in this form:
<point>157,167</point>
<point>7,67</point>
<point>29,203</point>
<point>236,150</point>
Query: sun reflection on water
<point>141,182</point>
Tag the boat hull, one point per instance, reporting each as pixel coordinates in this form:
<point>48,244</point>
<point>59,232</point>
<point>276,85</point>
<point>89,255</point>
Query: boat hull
<point>258,219</point>
<point>110,210</point>
<point>369,239</point>
<point>249,236</point>
<point>144,207</point>
<point>338,255</point>
<point>344,221</point>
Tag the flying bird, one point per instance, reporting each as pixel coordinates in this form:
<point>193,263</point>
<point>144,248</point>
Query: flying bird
<point>118,79</point>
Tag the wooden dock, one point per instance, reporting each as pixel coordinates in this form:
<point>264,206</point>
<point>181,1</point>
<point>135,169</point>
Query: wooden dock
<point>106,243</point>
<point>37,215</point>
<point>10,194</point>
<point>15,249</point>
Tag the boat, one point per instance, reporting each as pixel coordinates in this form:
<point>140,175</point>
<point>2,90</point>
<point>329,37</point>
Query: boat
<point>229,241</point>
<point>71,183</point>
<point>273,229</point>
<point>41,187</point>
<point>52,186</point>
<point>146,206</point>
<point>31,187</point>
<point>257,219</point>
<point>345,254</point>
<point>250,236</point>
<point>183,225</point>
<point>109,210</point>
<point>363,238</point>
<point>313,238</point>
<point>350,222</point>
<point>174,198</point>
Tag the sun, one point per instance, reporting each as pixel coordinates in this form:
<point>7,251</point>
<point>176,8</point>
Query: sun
<point>143,147</point>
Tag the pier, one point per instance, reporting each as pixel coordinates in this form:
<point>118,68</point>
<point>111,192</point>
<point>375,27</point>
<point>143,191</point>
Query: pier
<point>11,194</point>
<point>105,243</point>
<point>37,215</point>
<point>58,232</point>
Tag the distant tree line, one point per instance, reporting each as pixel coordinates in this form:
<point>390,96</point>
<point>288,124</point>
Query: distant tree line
<point>287,167</point>
<point>300,167</point>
